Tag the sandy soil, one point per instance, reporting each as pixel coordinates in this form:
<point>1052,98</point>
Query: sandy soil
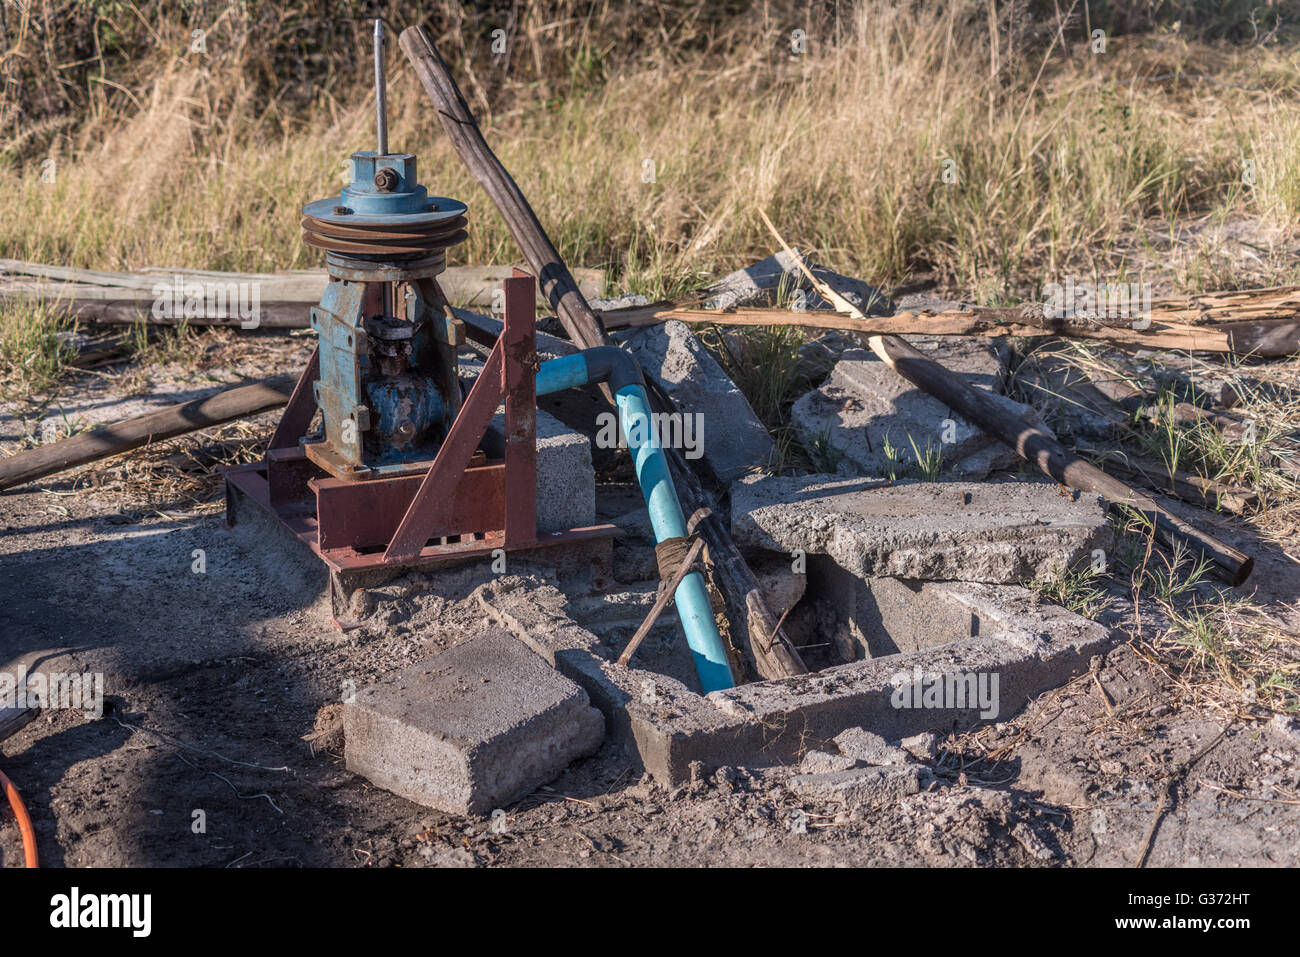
<point>214,680</point>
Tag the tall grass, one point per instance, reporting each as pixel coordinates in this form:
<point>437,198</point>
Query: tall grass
<point>1061,157</point>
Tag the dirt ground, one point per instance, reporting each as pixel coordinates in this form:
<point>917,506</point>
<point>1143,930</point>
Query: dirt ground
<point>213,682</point>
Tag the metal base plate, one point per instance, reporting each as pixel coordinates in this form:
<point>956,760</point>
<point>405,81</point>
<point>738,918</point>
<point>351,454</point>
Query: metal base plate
<point>299,518</point>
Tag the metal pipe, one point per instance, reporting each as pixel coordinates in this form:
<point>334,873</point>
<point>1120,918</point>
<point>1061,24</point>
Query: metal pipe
<point>381,92</point>
<point>609,363</point>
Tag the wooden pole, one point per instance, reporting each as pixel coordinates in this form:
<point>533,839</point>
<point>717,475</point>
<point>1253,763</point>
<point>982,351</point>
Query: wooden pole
<point>105,440</point>
<point>1036,446</point>
<point>557,283</point>
<point>768,646</point>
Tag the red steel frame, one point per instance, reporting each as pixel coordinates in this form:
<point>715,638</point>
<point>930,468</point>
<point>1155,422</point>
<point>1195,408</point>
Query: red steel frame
<point>456,509</point>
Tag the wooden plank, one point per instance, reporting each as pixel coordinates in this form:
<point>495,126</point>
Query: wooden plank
<point>13,720</point>
<point>463,285</point>
<point>105,440</point>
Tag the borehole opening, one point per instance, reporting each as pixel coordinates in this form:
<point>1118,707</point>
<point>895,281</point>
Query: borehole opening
<point>834,617</point>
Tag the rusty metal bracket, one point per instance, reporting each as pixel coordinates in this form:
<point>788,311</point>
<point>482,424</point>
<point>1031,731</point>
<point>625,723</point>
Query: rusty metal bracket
<point>505,374</point>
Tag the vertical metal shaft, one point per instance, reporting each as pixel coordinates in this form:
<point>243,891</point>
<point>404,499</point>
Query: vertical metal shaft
<point>381,133</point>
<point>381,91</point>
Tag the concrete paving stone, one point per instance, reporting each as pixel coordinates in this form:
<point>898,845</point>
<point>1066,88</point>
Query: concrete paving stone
<point>732,439</point>
<point>475,728</point>
<point>953,531</point>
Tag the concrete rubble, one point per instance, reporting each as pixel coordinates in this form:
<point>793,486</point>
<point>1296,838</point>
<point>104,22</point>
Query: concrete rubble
<point>869,420</point>
<point>904,586</point>
<point>730,436</point>
<point>664,725</point>
<point>869,787</point>
<point>763,282</point>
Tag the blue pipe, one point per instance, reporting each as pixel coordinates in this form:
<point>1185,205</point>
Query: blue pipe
<point>609,363</point>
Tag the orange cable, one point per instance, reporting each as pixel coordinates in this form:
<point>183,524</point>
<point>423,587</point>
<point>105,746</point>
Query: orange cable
<point>24,820</point>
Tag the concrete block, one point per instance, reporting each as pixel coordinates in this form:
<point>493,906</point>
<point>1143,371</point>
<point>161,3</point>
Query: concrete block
<point>872,417</point>
<point>1027,645</point>
<point>730,435</point>
<point>970,532</point>
<point>472,729</point>
<point>871,749</point>
<point>872,787</point>
<point>566,479</point>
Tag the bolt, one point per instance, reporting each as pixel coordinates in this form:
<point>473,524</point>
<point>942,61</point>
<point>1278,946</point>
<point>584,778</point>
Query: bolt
<point>341,211</point>
<point>386,180</point>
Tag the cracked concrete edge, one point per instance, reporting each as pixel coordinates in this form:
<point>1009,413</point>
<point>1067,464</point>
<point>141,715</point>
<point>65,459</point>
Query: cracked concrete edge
<point>875,546</point>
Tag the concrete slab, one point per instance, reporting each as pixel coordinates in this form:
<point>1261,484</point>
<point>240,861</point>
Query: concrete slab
<point>472,729</point>
<point>877,423</point>
<point>731,437</point>
<point>972,532</point>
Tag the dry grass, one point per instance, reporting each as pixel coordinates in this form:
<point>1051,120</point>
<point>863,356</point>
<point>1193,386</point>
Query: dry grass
<point>1064,159</point>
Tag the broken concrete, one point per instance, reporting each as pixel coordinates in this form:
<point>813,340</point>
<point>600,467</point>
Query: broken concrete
<point>823,762</point>
<point>729,435</point>
<point>872,787</point>
<point>921,746</point>
<point>869,418</point>
<point>862,745</point>
<point>1067,400</point>
<point>474,728</point>
<point>971,532</point>
<point>763,282</point>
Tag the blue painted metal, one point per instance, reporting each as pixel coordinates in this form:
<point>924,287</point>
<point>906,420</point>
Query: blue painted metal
<point>404,408</point>
<point>692,595</point>
<point>369,205</point>
<point>343,365</point>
